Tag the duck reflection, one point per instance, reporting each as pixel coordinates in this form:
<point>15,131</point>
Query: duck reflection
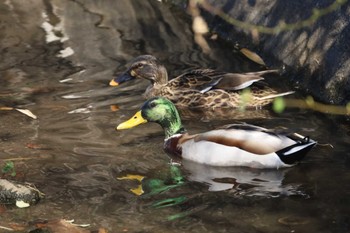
<point>240,180</point>
<point>174,187</point>
<point>237,180</point>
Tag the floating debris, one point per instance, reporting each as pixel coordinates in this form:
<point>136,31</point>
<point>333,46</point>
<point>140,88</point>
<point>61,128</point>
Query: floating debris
<point>24,111</point>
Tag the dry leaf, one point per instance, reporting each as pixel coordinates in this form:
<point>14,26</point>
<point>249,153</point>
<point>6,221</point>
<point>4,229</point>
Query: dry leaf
<point>17,226</point>
<point>33,146</point>
<point>26,112</point>
<point>6,228</point>
<point>199,25</point>
<point>255,36</point>
<point>59,226</point>
<point>114,108</point>
<point>253,56</point>
<point>6,108</point>
<point>22,204</point>
<point>214,36</point>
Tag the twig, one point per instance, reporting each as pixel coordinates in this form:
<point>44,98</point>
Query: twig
<point>282,26</point>
<point>18,159</point>
<point>6,228</point>
<point>309,103</point>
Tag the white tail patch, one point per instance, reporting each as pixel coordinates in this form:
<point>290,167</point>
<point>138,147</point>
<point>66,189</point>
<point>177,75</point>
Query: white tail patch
<point>246,84</point>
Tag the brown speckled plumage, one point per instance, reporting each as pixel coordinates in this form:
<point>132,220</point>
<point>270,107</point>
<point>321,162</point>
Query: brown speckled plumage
<point>201,88</point>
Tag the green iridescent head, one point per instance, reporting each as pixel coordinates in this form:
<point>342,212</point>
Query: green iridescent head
<point>159,110</point>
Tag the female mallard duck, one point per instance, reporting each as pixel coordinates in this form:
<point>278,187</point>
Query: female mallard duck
<point>203,88</point>
<point>232,145</point>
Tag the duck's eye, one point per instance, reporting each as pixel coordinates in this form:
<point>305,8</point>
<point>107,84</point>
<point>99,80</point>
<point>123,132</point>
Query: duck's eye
<point>138,66</point>
<point>152,105</point>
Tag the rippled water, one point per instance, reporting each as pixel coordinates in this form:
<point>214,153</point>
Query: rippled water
<point>57,58</point>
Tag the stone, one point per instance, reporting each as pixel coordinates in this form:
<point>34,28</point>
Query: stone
<point>317,56</point>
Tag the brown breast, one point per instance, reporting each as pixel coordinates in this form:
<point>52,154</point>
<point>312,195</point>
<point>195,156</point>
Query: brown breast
<point>171,146</point>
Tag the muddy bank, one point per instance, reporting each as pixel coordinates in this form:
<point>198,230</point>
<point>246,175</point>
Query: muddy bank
<point>317,55</point>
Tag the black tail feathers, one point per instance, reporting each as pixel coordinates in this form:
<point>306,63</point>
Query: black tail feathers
<point>294,153</point>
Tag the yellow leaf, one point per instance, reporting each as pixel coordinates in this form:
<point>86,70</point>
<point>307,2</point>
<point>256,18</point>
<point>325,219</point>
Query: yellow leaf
<point>131,177</point>
<point>6,108</point>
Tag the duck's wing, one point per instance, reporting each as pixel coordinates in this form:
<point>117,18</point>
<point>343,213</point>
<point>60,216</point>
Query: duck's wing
<point>248,127</point>
<point>201,80</point>
<point>204,80</point>
<point>239,81</point>
<point>244,126</point>
<point>255,140</point>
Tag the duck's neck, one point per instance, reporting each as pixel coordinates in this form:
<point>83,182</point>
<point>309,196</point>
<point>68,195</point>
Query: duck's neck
<point>158,81</point>
<point>161,77</point>
<point>171,131</point>
<point>172,125</point>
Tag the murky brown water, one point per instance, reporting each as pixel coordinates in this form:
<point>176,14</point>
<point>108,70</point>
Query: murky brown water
<point>73,154</point>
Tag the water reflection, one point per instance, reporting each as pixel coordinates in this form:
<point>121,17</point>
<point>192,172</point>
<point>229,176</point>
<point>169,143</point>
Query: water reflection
<point>242,181</point>
<point>238,180</point>
<point>171,188</point>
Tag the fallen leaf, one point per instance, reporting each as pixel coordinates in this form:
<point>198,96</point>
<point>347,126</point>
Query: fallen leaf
<point>253,56</point>
<point>131,177</point>
<point>59,226</point>
<point>293,220</point>
<point>255,36</point>
<point>199,25</point>
<point>22,204</point>
<point>17,226</point>
<point>33,146</point>
<point>6,108</point>
<point>114,108</point>
<point>214,36</point>
<point>26,112</point>
<point>6,228</point>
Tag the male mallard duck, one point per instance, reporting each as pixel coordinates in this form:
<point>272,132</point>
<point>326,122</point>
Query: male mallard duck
<point>202,88</point>
<point>232,145</point>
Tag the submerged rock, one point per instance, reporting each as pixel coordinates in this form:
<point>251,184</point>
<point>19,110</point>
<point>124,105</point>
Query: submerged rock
<point>23,195</point>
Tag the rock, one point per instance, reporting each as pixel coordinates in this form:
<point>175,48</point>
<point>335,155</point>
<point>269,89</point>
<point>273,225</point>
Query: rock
<point>23,195</point>
<point>318,54</point>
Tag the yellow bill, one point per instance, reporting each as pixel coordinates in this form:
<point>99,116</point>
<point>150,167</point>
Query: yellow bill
<point>136,120</point>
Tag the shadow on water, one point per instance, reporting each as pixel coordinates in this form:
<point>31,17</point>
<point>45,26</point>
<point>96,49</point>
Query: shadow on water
<point>57,58</point>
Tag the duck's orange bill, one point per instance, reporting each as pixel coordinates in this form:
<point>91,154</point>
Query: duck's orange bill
<point>113,83</point>
<point>136,120</point>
